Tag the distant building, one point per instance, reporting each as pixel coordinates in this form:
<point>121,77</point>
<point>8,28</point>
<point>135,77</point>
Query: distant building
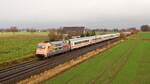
<point>74,31</point>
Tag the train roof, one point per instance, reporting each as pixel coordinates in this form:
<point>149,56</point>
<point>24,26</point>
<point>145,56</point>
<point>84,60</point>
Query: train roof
<point>57,42</point>
<point>82,38</point>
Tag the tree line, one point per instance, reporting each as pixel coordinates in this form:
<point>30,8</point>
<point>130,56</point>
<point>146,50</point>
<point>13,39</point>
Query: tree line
<point>16,29</point>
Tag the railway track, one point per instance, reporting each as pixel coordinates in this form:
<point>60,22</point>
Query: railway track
<point>16,66</point>
<point>22,71</point>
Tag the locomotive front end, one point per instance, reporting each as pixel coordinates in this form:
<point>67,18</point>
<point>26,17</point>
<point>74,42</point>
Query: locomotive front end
<point>42,50</point>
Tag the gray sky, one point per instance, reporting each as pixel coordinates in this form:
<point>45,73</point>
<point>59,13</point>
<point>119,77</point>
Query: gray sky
<point>90,13</point>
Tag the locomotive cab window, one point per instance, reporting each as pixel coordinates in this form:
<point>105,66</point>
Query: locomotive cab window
<point>41,47</point>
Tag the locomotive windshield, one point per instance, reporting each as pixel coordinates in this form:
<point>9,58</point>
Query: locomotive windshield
<point>41,47</point>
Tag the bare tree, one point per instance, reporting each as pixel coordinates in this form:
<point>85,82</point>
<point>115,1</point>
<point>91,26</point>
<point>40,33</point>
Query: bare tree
<point>13,29</point>
<point>55,34</point>
<point>31,30</point>
<point>1,30</point>
<point>145,28</point>
<point>123,36</point>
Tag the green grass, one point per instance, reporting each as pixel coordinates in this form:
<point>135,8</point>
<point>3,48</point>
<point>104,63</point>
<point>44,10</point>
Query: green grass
<point>19,45</point>
<point>126,63</point>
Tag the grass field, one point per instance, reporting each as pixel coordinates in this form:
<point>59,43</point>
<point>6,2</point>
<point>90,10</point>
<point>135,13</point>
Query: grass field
<point>126,63</point>
<point>19,45</point>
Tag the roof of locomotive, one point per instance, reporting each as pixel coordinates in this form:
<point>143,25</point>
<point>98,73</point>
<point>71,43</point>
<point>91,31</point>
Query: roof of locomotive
<point>43,44</point>
<point>57,42</point>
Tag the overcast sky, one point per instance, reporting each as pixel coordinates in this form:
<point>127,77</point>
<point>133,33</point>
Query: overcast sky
<point>89,13</point>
